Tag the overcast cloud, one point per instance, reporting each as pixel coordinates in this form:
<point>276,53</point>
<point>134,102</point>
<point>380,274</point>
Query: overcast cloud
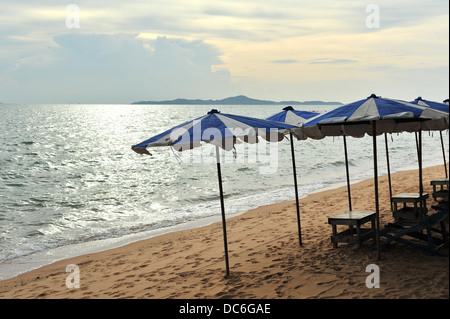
<point>166,49</point>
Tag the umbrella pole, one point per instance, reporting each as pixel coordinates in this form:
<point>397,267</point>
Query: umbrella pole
<point>375,177</point>
<point>443,154</point>
<point>222,206</point>
<point>348,176</point>
<point>388,169</point>
<point>417,145</point>
<point>419,159</point>
<point>420,172</point>
<point>296,191</point>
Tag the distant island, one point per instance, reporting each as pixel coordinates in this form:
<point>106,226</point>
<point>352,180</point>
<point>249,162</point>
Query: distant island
<point>236,100</point>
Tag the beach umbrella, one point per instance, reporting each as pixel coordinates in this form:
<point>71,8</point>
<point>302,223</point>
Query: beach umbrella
<point>440,107</point>
<point>294,117</point>
<point>392,116</point>
<point>223,131</point>
<point>291,116</point>
<point>434,105</point>
<point>375,116</point>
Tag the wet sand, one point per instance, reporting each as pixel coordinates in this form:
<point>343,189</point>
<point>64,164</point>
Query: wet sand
<point>266,260</point>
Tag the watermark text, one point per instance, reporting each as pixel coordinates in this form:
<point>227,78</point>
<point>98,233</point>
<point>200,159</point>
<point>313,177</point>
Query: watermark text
<point>373,19</point>
<point>73,17</point>
<point>73,280</point>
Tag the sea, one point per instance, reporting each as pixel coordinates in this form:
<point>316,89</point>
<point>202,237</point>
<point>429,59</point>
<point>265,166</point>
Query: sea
<point>70,183</point>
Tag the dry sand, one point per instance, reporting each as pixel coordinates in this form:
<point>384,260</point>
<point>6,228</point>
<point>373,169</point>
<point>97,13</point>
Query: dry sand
<point>266,260</point>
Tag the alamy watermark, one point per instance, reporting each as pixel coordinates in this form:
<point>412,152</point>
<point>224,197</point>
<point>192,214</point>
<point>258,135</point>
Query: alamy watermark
<point>373,19</point>
<point>252,146</point>
<point>73,17</point>
<point>373,280</point>
<point>73,280</point>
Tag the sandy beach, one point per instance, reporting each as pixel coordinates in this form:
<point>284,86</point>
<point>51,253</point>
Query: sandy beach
<point>266,260</point>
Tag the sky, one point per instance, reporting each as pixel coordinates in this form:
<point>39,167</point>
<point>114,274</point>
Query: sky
<point>98,51</point>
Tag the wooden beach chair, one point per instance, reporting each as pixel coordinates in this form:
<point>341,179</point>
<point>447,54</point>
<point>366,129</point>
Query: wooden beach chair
<point>441,188</point>
<point>420,235</point>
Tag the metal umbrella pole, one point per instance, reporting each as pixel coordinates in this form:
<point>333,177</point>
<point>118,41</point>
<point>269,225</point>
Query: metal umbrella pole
<point>375,177</point>
<point>389,170</point>
<point>296,191</point>
<point>222,206</point>
<point>348,175</point>
<point>443,154</point>
<point>420,173</point>
<point>419,159</point>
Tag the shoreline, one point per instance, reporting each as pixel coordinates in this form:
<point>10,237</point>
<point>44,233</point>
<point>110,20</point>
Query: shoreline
<point>23,264</point>
<point>31,260</point>
<point>259,216</point>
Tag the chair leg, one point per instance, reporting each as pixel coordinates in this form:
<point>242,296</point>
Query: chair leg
<point>444,233</point>
<point>334,229</point>
<point>430,238</point>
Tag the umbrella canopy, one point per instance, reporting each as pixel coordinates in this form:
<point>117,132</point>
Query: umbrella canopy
<point>392,116</point>
<point>440,107</point>
<point>374,116</point>
<point>434,105</point>
<point>222,130</point>
<point>291,116</point>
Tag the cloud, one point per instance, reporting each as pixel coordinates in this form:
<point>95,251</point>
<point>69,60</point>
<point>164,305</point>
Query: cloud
<point>333,61</point>
<point>213,49</point>
<point>120,68</point>
<point>248,11</point>
<point>285,61</point>
<point>248,19</point>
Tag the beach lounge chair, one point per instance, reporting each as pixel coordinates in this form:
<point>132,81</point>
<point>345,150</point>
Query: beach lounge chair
<point>420,235</point>
<point>440,189</point>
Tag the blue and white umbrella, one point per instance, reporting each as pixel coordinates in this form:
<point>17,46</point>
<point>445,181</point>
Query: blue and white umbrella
<point>440,107</point>
<point>291,116</point>
<point>222,130</point>
<point>434,105</point>
<point>295,117</point>
<point>391,115</point>
<point>373,116</point>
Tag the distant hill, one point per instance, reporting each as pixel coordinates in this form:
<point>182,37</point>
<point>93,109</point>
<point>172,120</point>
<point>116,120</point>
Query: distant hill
<point>236,100</point>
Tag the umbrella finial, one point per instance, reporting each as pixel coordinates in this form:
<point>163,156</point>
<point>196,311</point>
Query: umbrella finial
<point>445,101</point>
<point>373,96</point>
<point>288,108</point>
<point>213,111</point>
<point>419,98</point>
